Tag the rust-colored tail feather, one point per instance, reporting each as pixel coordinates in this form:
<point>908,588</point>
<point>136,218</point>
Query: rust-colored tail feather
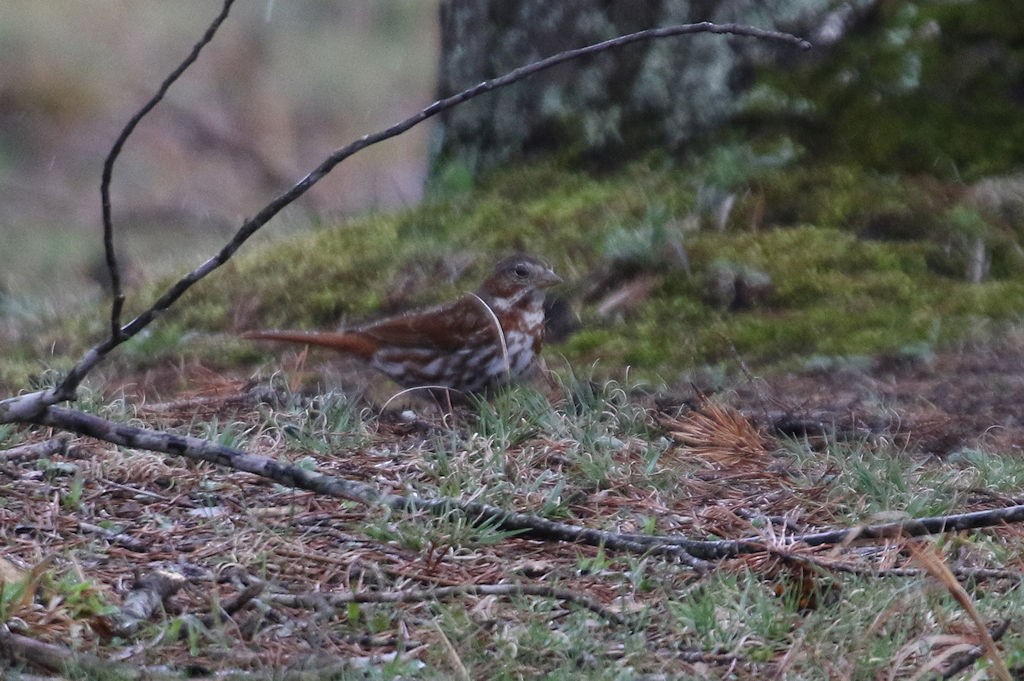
<point>352,343</point>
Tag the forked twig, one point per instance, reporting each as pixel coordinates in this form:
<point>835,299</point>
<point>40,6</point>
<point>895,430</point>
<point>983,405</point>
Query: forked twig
<point>39,407</point>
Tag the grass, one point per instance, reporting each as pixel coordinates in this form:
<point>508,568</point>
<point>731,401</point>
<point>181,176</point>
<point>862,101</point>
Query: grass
<point>600,455</point>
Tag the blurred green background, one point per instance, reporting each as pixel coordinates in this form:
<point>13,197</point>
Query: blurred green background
<point>283,84</point>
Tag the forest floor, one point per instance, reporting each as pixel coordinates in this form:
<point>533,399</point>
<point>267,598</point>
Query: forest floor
<point>261,580</point>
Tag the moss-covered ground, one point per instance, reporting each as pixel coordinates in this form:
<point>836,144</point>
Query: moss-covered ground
<point>743,256</point>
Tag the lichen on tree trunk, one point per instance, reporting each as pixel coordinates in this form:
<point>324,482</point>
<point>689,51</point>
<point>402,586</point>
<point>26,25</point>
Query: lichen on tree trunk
<point>657,94</point>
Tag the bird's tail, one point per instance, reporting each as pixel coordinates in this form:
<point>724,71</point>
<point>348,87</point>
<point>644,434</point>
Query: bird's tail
<point>352,343</point>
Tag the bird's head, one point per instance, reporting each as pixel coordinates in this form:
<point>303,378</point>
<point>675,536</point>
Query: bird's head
<point>516,277</point>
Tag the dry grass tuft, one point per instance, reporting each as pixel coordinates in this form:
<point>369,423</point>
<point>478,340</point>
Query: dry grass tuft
<point>935,565</point>
<point>721,436</point>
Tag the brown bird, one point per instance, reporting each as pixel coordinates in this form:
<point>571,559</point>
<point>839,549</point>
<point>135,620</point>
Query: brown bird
<point>470,345</point>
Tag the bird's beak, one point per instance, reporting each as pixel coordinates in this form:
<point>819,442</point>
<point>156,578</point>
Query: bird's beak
<point>549,278</point>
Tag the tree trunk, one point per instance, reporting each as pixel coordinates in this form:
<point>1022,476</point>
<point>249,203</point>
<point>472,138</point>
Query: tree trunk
<point>657,94</point>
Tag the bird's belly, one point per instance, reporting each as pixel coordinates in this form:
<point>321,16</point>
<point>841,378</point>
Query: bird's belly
<point>519,347</point>
<point>468,369</point>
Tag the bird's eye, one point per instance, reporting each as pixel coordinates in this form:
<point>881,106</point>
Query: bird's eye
<point>521,271</point>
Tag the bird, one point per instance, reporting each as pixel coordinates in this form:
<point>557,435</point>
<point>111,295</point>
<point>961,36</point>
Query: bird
<point>471,345</point>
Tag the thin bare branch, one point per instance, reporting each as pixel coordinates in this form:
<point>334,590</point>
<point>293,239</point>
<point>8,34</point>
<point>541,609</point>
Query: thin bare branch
<point>914,527</point>
<point>918,527</point>
<point>115,150</point>
<point>525,525</point>
<point>34,450</point>
<point>968,659</point>
<point>830,564</point>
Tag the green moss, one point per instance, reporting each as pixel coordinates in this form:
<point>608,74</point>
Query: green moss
<point>922,87</point>
<point>589,341</point>
<point>839,286</point>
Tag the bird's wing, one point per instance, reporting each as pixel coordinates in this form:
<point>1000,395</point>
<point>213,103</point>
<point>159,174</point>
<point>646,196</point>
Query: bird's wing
<point>446,327</point>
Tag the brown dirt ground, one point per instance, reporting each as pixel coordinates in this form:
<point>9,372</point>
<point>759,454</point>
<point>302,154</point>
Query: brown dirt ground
<point>973,398</point>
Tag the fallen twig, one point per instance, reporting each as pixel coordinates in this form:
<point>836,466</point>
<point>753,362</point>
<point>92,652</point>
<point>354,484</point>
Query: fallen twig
<point>935,564</point>
<point>832,565</point>
<point>119,538</point>
<point>230,607</point>
<point>968,659</point>
<point>34,450</point>
<point>690,551</point>
<point>59,659</point>
<point>445,592</point>
<point>525,525</point>
<point>147,595</point>
<point>68,663</point>
<point>914,527</point>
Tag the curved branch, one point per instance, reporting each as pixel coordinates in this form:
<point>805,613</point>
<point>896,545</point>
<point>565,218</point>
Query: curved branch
<point>66,390</point>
